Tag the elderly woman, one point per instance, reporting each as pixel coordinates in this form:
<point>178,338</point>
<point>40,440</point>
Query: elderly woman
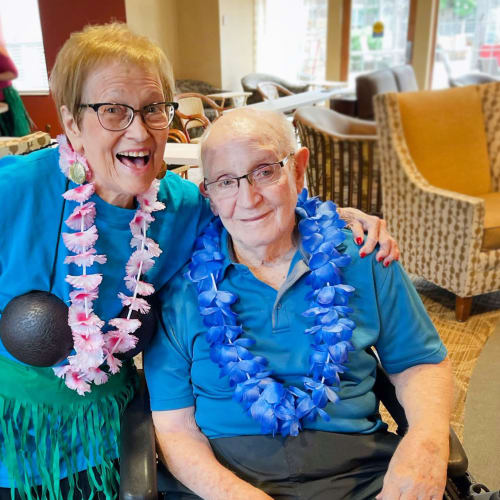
<point>82,225</point>
<point>260,383</point>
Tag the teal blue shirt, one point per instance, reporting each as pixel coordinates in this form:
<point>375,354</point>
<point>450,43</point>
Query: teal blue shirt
<point>387,310</point>
<point>32,206</point>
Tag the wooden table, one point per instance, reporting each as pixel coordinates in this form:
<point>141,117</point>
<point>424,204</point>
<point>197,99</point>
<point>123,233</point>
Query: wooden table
<point>291,102</point>
<point>238,98</point>
<point>182,154</point>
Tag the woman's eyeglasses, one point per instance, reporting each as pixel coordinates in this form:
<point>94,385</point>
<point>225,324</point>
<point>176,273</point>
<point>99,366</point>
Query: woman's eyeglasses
<point>115,117</point>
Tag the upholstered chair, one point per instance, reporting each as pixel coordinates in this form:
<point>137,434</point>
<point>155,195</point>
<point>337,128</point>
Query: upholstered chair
<point>440,164</point>
<point>343,163</point>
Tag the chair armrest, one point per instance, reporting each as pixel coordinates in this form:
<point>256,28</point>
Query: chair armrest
<point>457,462</point>
<point>138,479</point>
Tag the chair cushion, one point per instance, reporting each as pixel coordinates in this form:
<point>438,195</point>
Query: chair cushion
<point>491,236</point>
<point>444,131</point>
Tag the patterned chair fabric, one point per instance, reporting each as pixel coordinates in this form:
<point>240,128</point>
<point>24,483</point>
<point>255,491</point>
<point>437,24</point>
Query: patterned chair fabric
<point>343,163</point>
<point>450,238</point>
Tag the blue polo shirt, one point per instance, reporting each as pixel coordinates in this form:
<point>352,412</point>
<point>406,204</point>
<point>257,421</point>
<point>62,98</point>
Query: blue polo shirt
<point>387,310</point>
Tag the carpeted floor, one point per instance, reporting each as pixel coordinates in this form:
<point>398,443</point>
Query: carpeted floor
<point>464,341</point>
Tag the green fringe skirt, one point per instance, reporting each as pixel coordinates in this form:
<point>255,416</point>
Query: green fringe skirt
<point>14,122</point>
<point>43,426</point>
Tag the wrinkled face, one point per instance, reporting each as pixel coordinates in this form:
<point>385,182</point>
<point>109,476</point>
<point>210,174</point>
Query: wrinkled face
<point>124,163</point>
<point>255,217</point>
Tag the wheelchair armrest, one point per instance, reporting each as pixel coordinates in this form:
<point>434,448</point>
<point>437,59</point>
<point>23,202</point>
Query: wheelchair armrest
<point>385,391</point>
<point>137,449</point>
<point>458,462</point>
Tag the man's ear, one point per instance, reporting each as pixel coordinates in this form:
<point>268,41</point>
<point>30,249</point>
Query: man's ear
<point>72,130</point>
<point>301,159</point>
<point>204,193</point>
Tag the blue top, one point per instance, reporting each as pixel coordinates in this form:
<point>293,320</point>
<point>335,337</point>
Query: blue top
<point>30,189</point>
<point>387,310</point>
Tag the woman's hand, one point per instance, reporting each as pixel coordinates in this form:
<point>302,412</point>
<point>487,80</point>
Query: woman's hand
<point>376,229</point>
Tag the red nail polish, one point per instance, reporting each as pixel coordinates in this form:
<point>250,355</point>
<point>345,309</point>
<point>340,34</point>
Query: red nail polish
<point>386,264</point>
<point>359,240</point>
<point>380,259</point>
<point>362,255</point>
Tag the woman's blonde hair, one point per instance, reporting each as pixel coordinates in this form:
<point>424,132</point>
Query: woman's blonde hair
<point>85,50</point>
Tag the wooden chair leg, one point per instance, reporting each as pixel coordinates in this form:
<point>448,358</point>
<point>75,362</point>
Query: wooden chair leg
<point>462,308</point>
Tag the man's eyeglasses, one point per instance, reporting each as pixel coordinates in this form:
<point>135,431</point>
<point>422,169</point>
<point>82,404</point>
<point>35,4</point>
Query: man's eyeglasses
<point>263,175</point>
<point>115,117</point>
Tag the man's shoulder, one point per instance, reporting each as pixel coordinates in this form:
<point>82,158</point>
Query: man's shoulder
<point>177,192</point>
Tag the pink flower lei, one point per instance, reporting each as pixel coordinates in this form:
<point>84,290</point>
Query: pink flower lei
<point>93,348</point>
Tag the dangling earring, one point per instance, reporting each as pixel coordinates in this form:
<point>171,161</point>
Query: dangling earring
<point>73,164</point>
<point>163,171</point>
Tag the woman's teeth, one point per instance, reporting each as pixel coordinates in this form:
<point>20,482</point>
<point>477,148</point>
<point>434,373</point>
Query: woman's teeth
<point>134,158</point>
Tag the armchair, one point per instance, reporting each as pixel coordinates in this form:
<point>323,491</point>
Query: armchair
<point>271,90</point>
<point>191,112</point>
<point>343,165</point>
<point>440,153</point>
<point>249,83</point>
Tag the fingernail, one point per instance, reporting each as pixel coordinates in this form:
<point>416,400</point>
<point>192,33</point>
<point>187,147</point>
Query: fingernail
<point>362,255</point>
<point>379,259</point>
<point>359,240</point>
<point>386,264</point>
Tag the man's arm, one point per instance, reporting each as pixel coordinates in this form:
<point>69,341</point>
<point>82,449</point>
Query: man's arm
<point>188,455</point>
<point>418,467</point>
<point>359,222</point>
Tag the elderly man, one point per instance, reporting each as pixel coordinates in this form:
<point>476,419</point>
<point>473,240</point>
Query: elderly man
<point>260,383</point>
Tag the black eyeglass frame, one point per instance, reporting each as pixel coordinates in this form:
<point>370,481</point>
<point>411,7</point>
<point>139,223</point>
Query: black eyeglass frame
<point>95,106</point>
<point>281,163</point>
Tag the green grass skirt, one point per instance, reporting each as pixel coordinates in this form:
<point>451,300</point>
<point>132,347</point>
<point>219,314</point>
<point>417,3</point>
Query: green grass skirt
<point>43,424</point>
<point>14,122</point>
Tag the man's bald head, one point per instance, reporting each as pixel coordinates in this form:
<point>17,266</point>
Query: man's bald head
<point>256,128</point>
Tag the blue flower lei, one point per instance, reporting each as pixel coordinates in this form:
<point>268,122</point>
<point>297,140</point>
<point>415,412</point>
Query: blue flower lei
<point>277,408</point>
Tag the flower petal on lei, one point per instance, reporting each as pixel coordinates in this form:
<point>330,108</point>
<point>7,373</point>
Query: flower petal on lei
<point>136,304</point>
<point>86,258</point>
<point>136,259</point>
<point>86,281</point>
<point>125,325</point>
<point>85,212</point>
<point>80,241</point>
<point>81,193</point>
<point>143,288</point>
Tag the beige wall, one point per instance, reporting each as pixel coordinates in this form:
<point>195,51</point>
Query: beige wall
<point>236,19</point>
<point>199,41</point>
<point>158,20</point>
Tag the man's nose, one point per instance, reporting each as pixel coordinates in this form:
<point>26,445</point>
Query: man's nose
<point>248,195</point>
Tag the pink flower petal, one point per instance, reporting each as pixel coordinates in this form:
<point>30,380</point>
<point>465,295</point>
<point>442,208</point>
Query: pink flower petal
<point>134,263</point>
<point>80,193</point>
<point>78,297</point>
<point>113,363</point>
<point>86,258</point>
<point>85,212</point>
<point>148,200</point>
<point>150,245</point>
<point>80,241</point>
<point>143,288</point>
<point>86,281</point>
<point>117,341</point>
<point>136,304</point>
<point>77,381</point>
<point>91,342</point>
<point>140,222</point>
<point>97,376</point>
<point>125,325</point>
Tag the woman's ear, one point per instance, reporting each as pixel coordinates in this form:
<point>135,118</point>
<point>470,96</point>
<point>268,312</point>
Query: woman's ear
<point>72,130</point>
<point>203,191</point>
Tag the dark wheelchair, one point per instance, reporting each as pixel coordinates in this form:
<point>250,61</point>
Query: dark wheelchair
<point>142,478</point>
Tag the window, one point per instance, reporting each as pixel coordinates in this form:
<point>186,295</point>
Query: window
<point>369,53</point>
<point>291,38</point>
<point>468,39</point>
<point>23,39</point>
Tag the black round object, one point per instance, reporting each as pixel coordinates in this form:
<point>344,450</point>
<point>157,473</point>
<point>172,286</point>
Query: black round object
<point>34,329</point>
<point>144,333</point>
